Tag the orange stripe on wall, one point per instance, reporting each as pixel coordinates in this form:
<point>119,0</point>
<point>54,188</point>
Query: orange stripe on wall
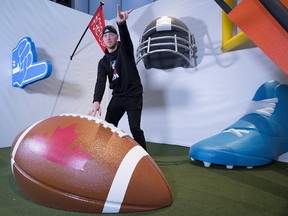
<point>261,27</point>
<point>284,2</point>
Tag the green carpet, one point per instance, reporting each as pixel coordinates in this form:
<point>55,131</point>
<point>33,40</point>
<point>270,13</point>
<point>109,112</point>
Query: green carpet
<point>197,190</point>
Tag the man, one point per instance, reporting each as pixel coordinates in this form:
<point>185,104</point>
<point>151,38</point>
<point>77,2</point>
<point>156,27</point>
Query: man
<point>118,64</point>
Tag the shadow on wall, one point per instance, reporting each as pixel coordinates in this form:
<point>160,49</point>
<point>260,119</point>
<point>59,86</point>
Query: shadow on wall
<point>47,86</point>
<point>199,29</point>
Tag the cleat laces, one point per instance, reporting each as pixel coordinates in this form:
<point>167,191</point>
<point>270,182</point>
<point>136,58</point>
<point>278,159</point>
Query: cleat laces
<point>262,107</point>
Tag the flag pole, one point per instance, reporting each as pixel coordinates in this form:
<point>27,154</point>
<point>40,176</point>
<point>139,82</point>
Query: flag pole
<point>71,57</point>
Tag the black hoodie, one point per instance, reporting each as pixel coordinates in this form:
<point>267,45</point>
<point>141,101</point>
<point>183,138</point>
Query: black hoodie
<point>123,76</point>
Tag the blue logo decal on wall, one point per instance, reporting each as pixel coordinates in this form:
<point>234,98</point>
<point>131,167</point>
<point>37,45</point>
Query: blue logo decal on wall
<point>25,68</point>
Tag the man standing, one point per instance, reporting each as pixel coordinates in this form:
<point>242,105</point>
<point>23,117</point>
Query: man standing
<point>118,64</point>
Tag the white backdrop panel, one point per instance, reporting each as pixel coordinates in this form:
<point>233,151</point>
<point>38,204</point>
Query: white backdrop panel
<point>55,30</point>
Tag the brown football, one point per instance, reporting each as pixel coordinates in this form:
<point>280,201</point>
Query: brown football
<point>81,163</point>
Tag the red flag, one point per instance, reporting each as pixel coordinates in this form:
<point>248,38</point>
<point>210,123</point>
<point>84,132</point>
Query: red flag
<point>96,25</point>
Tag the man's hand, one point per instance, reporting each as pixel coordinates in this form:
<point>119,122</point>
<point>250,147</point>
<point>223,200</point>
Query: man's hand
<point>94,108</point>
<point>122,16</point>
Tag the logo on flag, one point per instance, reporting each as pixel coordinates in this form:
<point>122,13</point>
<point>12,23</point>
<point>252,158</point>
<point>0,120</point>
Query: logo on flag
<point>96,25</point>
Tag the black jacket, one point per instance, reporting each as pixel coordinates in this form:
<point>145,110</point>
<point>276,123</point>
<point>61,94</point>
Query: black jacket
<point>127,80</point>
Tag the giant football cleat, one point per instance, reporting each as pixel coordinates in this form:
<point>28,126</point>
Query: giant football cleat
<point>256,139</point>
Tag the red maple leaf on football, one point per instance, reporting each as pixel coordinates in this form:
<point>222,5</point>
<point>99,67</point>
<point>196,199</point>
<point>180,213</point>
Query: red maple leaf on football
<point>59,147</point>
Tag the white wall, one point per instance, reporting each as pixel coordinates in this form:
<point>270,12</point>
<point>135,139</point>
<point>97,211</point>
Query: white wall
<point>181,106</point>
<point>55,30</point>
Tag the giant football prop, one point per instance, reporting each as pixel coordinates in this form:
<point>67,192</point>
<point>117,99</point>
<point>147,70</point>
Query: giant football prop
<point>84,164</point>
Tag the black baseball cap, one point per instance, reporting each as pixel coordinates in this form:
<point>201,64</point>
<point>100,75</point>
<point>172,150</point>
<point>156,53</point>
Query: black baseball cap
<point>109,28</point>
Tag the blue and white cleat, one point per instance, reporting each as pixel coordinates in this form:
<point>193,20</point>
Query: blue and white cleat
<point>256,139</point>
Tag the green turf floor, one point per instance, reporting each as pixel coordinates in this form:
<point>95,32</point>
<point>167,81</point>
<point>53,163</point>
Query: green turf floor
<point>196,190</point>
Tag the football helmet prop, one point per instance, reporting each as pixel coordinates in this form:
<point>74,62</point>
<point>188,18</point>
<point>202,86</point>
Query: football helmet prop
<point>167,43</point>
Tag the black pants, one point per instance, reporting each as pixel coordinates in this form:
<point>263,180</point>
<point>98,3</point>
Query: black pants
<point>133,107</point>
